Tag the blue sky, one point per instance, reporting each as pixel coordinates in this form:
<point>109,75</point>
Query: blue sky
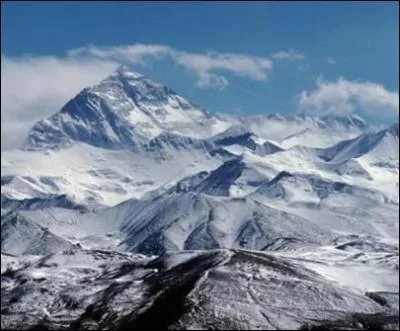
<point>242,57</point>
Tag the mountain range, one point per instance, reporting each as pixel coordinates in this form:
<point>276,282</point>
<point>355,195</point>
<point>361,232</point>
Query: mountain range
<point>129,177</point>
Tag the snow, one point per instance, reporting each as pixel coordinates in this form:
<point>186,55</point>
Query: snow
<point>85,171</point>
<point>130,166</point>
<point>370,271</point>
<point>238,288</point>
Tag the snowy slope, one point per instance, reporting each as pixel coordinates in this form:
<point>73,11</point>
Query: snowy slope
<point>291,130</point>
<point>202,212</point>
<point>128,135</point>
<point>216,289</point>
<point>22,236</point>
<point>114,141</point>
<point>382,145</point>
<point>130,166</point>
<point>97,176</point>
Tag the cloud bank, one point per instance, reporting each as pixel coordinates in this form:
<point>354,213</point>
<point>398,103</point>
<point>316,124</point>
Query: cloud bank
<point>291,55</point>
<point>345,97</point>
<point>204,65</point>
<point>330,60</point>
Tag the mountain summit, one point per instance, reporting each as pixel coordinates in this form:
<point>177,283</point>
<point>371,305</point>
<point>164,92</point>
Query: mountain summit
<point>123,111</point>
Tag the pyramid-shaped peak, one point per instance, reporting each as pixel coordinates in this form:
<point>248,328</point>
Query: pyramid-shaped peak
<point>351,120</point>
<point>128,72</point>
<point>125,76</point>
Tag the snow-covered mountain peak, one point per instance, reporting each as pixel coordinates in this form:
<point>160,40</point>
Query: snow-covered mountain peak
<point>344,121</point>
<point>377,146</point>
<point>121,74</point>
<point>127,71</point>
<point>123,111</point>
<point>124,81</point>
<point>303,129</point>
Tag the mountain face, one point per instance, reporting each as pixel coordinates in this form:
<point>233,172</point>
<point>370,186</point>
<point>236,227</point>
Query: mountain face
<point>383,144</point>
<point>123,111</point>
<point>152,201</point>
<point>215,289</point>
<point>290,130</point>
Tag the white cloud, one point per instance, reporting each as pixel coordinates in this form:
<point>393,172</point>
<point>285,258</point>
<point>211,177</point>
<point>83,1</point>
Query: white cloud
<point>207,79</point>
<point>345,97</point>
<point>137,54</point>
<point>34,87</point>
<point>203,65</point>
<point>291,54</point>
<point>330,60</point>
<point>304,67</point>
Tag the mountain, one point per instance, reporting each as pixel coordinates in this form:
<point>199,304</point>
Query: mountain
<point>22,236</point>
<point>347,121</point>
<point>271,221</point>
<point>230,178</point>
<point>290,130</point>
<point>238,139</point>
<point>312,189</point>
<point>123,111</point>
<point>114,141</point>
<point>128,135</point>
<point>206,211</point>
<point>383,145</point>
<point>61,201</point>
<point>216,289</point>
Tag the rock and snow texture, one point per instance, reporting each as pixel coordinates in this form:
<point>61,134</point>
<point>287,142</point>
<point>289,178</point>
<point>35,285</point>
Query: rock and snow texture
<point>123,111</point>
<point>266,212</point>
<point>214,289</point>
